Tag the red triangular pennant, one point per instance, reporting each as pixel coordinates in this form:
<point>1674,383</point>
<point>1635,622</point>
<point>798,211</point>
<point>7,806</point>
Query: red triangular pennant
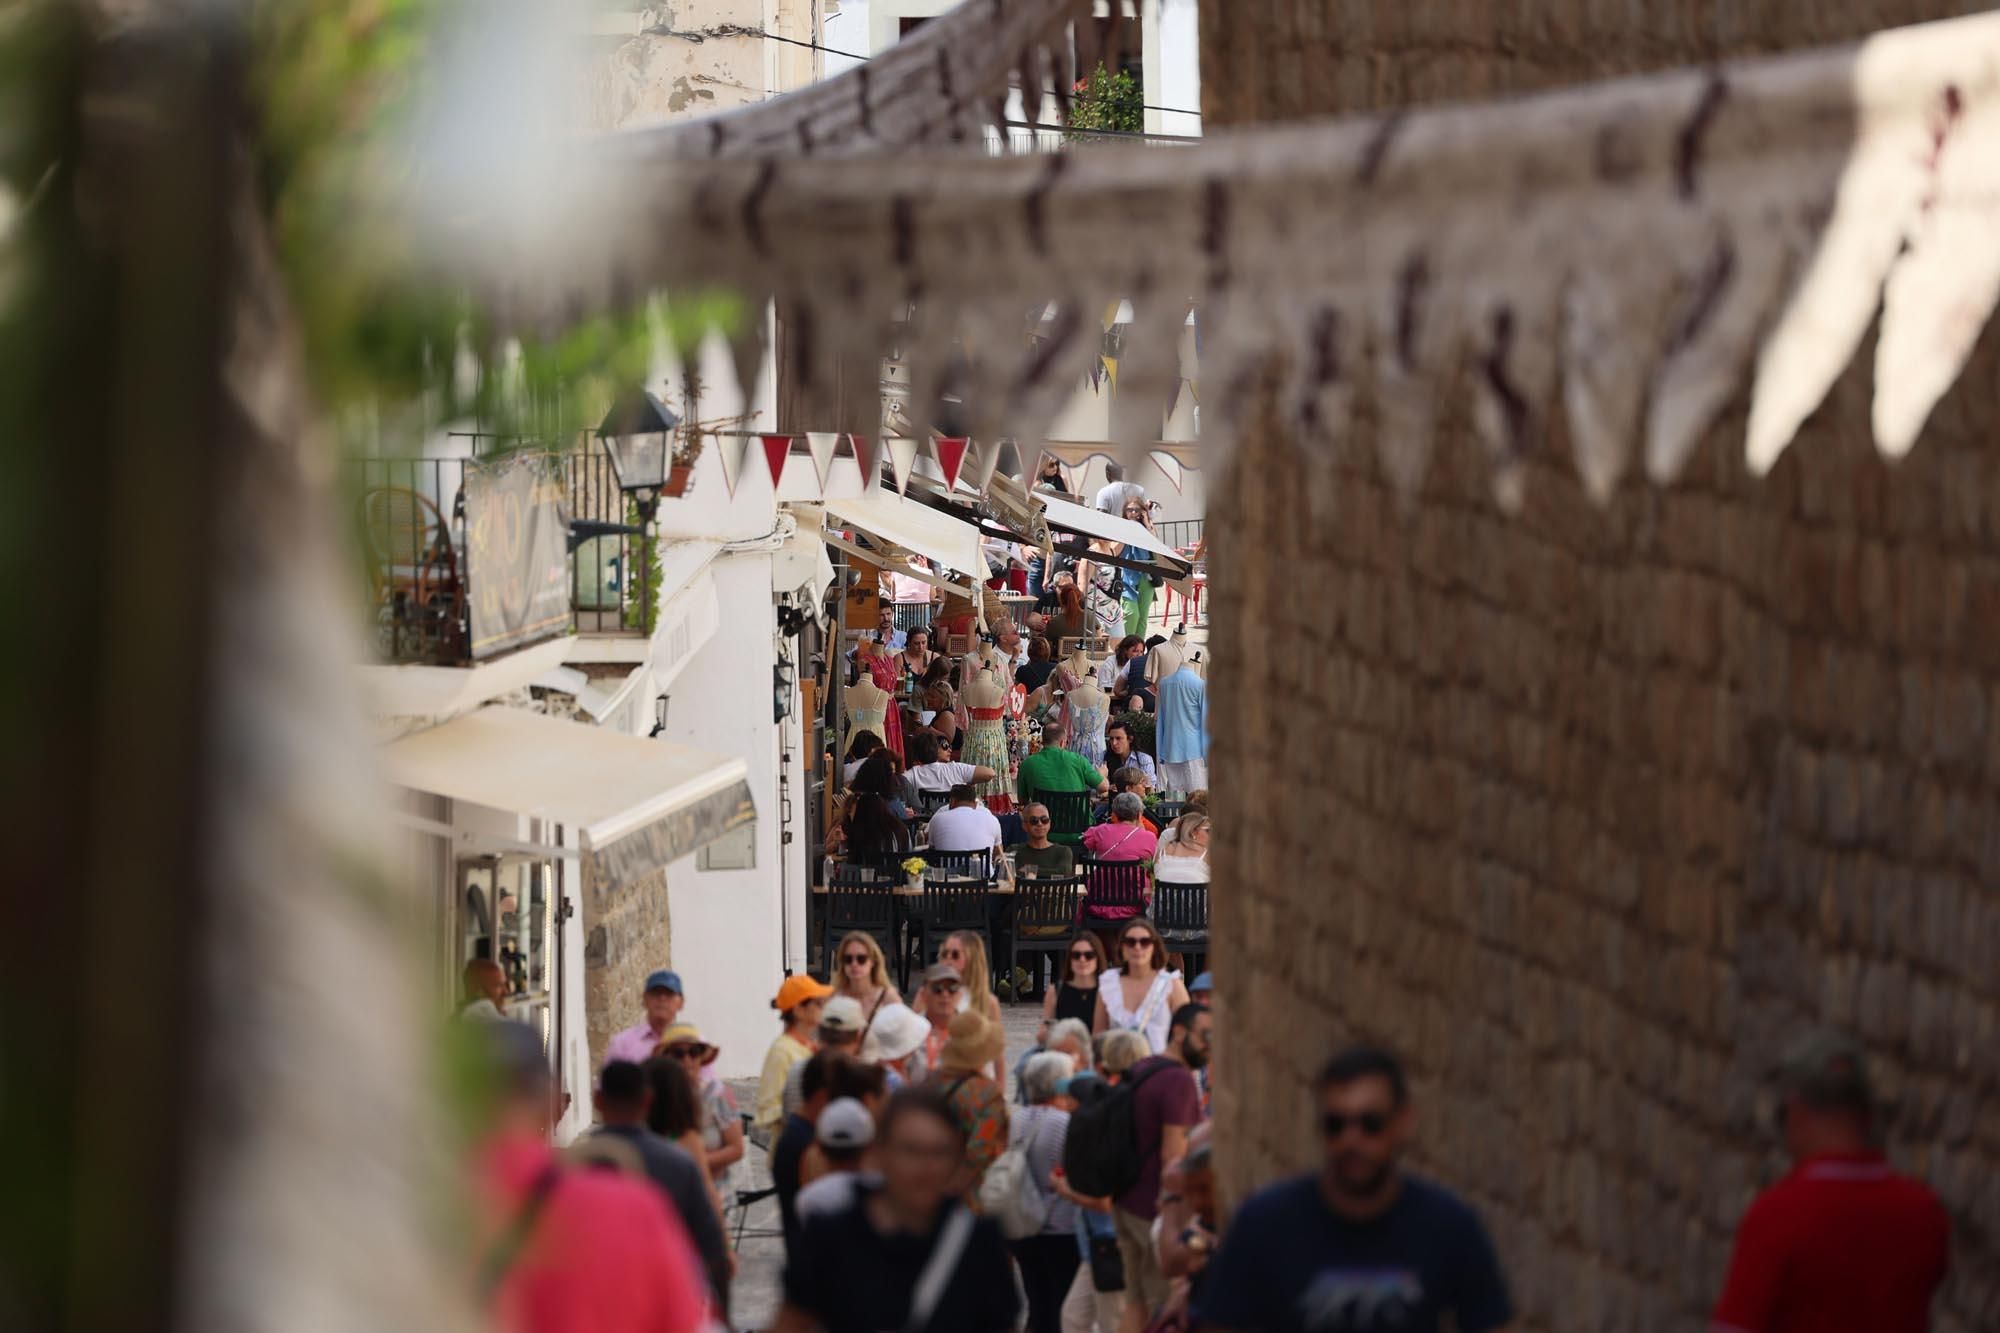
<point>777,448</point>
<point>868,455</point>
<point>950,456</point>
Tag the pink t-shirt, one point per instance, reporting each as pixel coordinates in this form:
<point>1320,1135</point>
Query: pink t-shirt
<point>1120,842</point>
<point>605,1254</point>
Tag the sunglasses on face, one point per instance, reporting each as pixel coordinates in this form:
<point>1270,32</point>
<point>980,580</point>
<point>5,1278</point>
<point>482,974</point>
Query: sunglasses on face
<point>685,1052</point>
<point>944,987</point>
<point>853,958</point>
<point>1137,941</point>
<point>1371,1124</point>
<point>1035,819</point>
<point>1084,953</point>
<point>950,953</point>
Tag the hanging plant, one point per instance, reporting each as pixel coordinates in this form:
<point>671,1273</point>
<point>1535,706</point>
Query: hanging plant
<point>1107,101</point>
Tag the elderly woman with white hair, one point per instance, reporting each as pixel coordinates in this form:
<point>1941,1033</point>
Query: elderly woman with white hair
<point>1048,1259</point>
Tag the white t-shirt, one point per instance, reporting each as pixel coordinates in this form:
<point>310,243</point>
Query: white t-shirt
<point>941,776</point>
<point>964,828</point>
<point>1112,497</point>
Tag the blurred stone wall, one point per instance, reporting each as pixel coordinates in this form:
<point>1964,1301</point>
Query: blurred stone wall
<point>628,937</point>
<point>1587,812</point>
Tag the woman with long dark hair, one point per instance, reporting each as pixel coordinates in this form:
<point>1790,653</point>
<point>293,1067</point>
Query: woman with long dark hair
<point>875,836</point>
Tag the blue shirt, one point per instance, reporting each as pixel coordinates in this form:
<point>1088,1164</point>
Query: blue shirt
<point>1135,581</point>
<point>1290,1264</point>
<point>1180,735</point>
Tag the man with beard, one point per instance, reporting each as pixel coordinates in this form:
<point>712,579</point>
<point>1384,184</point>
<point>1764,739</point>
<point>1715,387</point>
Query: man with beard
<point>1166,1104</point>
<point>1360,1247</point>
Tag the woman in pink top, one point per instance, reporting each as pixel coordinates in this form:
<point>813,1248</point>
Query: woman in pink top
<point>1125,838</point>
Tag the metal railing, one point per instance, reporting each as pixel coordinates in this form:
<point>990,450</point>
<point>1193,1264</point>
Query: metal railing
<point>410,518</point>
<point>1183,534</point>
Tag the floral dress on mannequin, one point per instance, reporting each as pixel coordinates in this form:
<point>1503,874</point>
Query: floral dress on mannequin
<point>1086,731</point>
<point>986,746</point>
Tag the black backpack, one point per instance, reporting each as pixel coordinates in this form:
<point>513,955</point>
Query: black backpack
<point>1101,1155</point>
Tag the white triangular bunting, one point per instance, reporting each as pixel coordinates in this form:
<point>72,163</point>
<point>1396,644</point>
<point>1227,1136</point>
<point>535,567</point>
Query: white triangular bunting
<point>985,458</point>
<point>730,451</point>
<point>1170,468</point>
<point>902,457</point>
<point>821,444</point>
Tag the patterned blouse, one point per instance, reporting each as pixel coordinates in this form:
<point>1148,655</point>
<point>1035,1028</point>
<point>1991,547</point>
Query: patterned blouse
<point>981,1108</point>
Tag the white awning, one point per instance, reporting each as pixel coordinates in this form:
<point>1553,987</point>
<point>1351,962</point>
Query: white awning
<point>1065,516</point>
<point>916,528</point>
<point>635,804</point>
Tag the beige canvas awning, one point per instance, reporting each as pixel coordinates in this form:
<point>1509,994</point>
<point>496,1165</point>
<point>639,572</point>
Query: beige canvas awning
<point>635,805</point>
<point>1063,516</point>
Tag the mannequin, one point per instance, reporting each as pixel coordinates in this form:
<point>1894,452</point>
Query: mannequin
<point>1087,707</point>
<point>868,706</point>
<point>1181,735</point>
<point>874,692</point>
<point>984,699</point>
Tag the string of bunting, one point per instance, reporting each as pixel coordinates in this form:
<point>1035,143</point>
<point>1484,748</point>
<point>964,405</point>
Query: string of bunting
<point>958,458</point>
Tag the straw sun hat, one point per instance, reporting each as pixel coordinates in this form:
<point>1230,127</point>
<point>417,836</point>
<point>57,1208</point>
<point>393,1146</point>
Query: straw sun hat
<point>974,1043</point>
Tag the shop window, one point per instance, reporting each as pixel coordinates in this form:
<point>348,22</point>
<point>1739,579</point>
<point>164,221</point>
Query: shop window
<point>507,914</point>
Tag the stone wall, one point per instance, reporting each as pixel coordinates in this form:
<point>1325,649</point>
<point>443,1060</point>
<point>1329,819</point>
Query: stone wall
<point>1587,812</point>
<point>626,938</point>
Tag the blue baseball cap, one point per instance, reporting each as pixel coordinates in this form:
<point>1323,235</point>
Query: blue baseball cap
<point>1204,982</point>
<point>665,980</point>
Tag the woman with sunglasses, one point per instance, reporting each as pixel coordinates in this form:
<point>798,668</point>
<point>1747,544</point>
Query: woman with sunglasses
<point>1076,997</point>
<point>864,974</point>
<point>1141,996</point>
<point>721,1122</point>
<point>964,952</point>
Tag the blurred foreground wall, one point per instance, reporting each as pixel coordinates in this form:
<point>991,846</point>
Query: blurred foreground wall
<point>1587,811</point>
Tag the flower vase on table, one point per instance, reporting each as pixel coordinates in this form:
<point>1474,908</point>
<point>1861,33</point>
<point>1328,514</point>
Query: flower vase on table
<point>913,872</point>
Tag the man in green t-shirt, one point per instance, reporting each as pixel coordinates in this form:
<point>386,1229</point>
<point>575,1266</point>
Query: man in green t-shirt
<point>1053,768</point>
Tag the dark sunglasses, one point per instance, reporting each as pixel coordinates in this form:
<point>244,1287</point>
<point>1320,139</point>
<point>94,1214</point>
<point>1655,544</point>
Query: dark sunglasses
<point>944,987</point>
<point>1372,1124</point>
<point>1133,940</point>
<point>857,958</point>
<point>1034,819</point>
<point>687,1052</point>
<point>1083,953</point>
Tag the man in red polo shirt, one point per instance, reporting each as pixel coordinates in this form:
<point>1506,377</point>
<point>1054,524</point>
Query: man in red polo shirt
<point>1842,1244</point>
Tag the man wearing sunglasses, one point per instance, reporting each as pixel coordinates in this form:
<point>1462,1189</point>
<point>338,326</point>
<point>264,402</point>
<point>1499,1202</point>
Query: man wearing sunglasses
<point>1359,1247</point>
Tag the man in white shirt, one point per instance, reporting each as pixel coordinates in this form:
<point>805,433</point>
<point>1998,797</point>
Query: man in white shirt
<point>966,827</point>
<point>927,773</point>
<point>1111,497</point>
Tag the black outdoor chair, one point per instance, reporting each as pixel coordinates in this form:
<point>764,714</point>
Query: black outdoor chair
<point>858,897</point>
<point>1181,913</point>
<point>930,802</point>
<point>1113,884</point>
<point>956,886</point>
<point>1069,815</point>
<point>1164,813</point>
<point>1042,919</point>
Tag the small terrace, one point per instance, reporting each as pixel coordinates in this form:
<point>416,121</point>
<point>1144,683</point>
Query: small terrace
<point>470,557</point>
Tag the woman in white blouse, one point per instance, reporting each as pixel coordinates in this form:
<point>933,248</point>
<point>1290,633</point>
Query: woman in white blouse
<point>1182,857</point>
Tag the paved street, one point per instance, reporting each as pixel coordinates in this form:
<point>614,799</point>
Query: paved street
<point>754,1298</point>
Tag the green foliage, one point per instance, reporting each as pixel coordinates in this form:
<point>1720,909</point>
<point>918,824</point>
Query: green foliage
<point>1108,101</point>
<point>1141,727</point>
<point>339,83</point>
<point>642,553</point>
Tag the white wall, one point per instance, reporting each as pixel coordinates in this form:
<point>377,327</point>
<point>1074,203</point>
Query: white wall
<point>726,923</point>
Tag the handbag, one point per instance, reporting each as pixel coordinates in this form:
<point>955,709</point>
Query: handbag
<point>1010,1194</point>
<point>1107,1264</point>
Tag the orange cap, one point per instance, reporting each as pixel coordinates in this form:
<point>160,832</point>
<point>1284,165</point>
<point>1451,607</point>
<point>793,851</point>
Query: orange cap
<point>797,990</point>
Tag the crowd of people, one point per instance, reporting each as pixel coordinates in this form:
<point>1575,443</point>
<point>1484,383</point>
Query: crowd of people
<point>928,1180</point>
<point>916,1194</point>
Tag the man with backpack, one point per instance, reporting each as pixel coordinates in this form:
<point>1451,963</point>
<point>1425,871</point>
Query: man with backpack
<point>1118,1146</point>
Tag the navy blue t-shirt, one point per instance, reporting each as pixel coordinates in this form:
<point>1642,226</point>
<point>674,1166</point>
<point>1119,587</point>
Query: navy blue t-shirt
<point>1289,1264</point>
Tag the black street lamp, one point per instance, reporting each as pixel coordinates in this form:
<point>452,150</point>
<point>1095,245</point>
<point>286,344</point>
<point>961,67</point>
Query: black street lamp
<point>638,434</point>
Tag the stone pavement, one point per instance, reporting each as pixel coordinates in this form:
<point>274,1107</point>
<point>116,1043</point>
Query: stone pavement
<point>753,1300</point>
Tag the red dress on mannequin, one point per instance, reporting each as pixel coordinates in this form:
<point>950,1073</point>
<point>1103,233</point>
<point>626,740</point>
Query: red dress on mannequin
<point>882,670</point>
